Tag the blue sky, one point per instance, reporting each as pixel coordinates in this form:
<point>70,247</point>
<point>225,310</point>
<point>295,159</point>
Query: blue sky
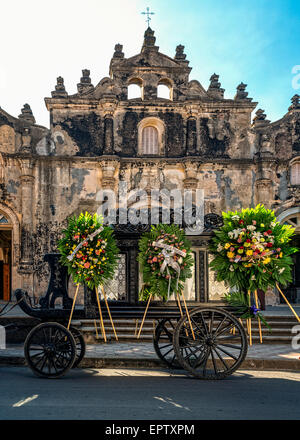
<point>256,42</point>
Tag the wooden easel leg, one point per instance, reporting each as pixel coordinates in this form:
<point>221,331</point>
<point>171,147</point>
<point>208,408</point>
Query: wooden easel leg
<point>259,323</point>
<point>188,315</point>
<point>101,318</point>
<point>139,333</point>
<point>181,312</point>
<point>249,322</point>
<point>73,305</point>
<point>110,317</point>
<point>284,297</point>
<point>136,327</point>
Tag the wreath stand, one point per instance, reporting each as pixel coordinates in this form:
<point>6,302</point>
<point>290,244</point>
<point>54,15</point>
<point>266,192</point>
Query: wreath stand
<point>100,313</point>
<point>248,320</point>
<point>180,309</point>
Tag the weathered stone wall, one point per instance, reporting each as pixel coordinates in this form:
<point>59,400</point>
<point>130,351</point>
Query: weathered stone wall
<point>93,142</point>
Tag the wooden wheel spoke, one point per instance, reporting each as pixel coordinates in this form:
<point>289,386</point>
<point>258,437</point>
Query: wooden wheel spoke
<point>199,329</point>
<point>169,351</point>
<point>236,347</point>
<point>229,327</point>
<point>226,338</point>
<point>204,324</point>
<point>166,345</point>
<point>219,325</point>
<point>228,353</point>
<point>211,322</point>
<point>40,359</point>
<point>168,333</point>
<point>204,362</point>
<point>36,349</point>
<point>213,360</point>
<point>221,359</point>
<point>192,352</point>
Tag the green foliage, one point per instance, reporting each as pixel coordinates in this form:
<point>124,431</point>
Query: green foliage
<point>151,260</point>
<point>252,250</point>
<point>97,259</point>
<point>242,308</point>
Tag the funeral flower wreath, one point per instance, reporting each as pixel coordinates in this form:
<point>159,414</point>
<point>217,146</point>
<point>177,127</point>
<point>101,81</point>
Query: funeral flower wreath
<point>165,259</point>
<point>89,250</point>
<point>252,251</point>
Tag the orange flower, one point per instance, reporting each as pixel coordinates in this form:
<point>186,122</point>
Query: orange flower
<point>87,265</point>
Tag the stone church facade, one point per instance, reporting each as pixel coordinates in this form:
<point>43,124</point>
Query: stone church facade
<point>190,139</point>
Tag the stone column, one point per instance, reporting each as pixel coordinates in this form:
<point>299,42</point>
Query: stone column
<point>191,136</point>
<point>108,135</point>
<point>26,260</point>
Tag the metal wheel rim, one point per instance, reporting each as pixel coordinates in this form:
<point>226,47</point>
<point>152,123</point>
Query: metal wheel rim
<point>50,350</point>
<point>80,346</point>
<point>218,349</point>
<point>163,342</point>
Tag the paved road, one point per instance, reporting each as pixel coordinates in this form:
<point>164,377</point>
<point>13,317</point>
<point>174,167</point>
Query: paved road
<point>148,394</point>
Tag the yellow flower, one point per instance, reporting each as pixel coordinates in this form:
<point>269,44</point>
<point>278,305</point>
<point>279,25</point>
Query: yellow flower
<point>227,245</point>
<point>240,251</point>
<point>246,244</point>
<point>230,254</point>
<point>282,240</point>
<point>267,260</point>
<point>280,255</point>
<point>248,265</point>
<point>262,240</point>
<point>249,252</point>
<point>262,225</point>
<point>254,240</point>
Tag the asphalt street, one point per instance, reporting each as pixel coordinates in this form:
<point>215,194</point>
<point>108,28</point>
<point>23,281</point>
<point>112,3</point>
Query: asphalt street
<point>127,394</point>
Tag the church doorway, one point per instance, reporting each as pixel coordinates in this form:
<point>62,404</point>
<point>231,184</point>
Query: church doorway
<point>5,258</point>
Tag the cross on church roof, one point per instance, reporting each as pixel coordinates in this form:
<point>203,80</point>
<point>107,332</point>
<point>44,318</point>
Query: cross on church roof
<point>148,13</point>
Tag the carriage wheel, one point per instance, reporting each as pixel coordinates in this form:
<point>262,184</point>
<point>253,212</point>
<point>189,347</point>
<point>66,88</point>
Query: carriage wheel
<point>50,350</point>
<point>80,346</point>
<point>219,347</point>
<point>163,342</point>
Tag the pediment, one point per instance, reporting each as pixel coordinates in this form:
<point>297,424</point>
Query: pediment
<point>151,59</point>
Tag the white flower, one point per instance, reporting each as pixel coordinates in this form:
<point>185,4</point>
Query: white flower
<point>235,217</point>
<point>251,227</point>
<point>253,278</point>
<point>281,270</point>
<point>273,224</point>
<point>231,268</point>
<point>230,234</point>
<point>235,232</point>
<point>220,247</point>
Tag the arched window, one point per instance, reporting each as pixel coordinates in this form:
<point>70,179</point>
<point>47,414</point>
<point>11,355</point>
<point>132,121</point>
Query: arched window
<point>151,137</point>
<point>135,89</point>
<point>150,140</point>
<point>295,172</point>
<point>165,89</point>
